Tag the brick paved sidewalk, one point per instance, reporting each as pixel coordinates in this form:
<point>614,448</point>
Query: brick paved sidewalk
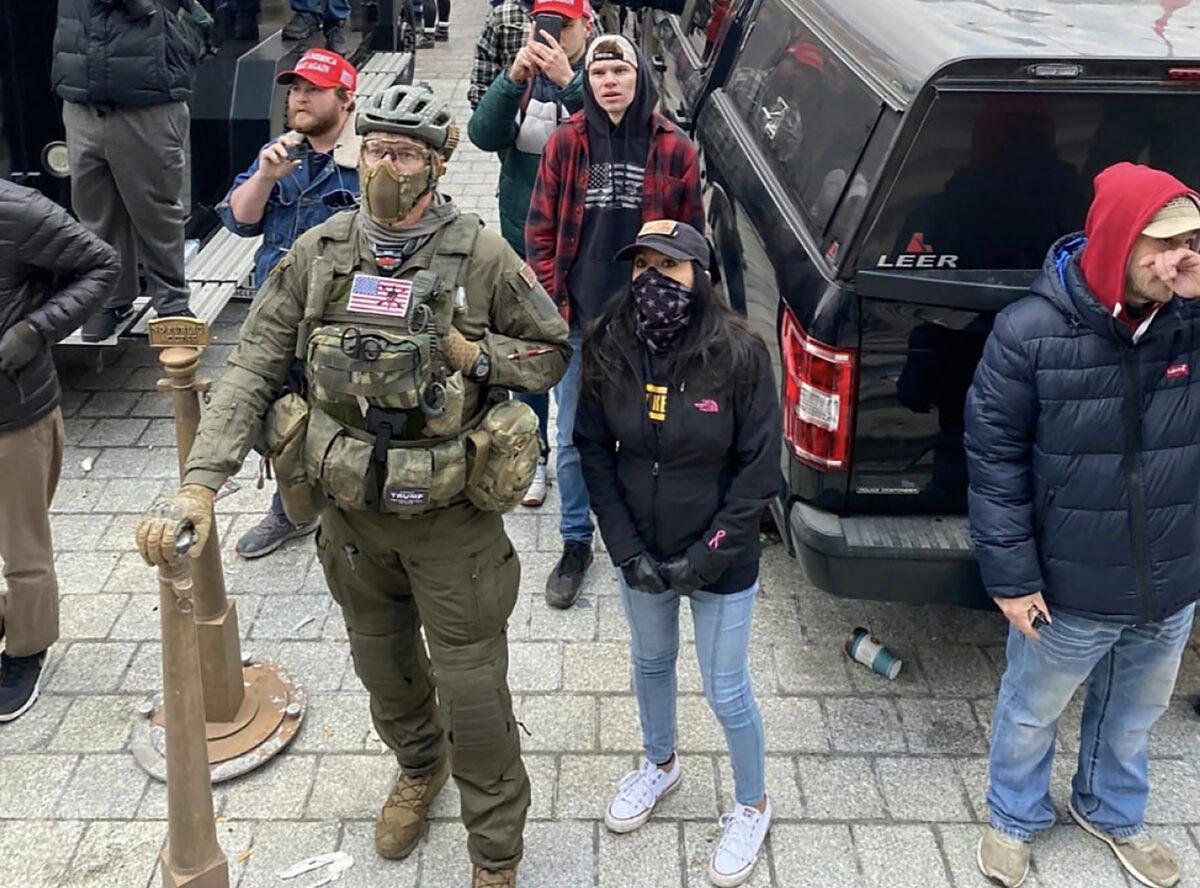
<point>874,783</point>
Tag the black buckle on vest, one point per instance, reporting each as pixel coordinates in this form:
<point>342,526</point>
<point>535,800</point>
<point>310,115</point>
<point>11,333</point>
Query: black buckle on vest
<point>384,425</point>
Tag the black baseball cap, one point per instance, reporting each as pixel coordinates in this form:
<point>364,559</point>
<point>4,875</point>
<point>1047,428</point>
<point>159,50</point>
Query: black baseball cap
<point>675,239</point>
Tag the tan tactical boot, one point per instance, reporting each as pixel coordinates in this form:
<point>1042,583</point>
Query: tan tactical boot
<point>402,821</point>
<point>1003,859</point>
<point>1144,857</point>
<point>501,878</point>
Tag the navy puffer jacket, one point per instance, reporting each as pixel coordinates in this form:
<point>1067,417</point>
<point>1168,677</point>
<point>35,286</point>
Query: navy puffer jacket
<point>1084,452</point>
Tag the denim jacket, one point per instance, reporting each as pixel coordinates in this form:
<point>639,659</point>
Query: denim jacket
<point>299,201</point>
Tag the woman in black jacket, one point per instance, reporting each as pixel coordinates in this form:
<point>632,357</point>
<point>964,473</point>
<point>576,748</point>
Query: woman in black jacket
<point>678,430</point>
<point>53,273</point>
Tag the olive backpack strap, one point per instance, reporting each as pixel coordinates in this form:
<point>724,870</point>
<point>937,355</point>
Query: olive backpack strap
<point>453,254</point>
<point>327,262</point>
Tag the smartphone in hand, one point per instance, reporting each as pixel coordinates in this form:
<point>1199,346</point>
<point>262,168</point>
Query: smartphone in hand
<point>549,22</point>
<point>297,150</point>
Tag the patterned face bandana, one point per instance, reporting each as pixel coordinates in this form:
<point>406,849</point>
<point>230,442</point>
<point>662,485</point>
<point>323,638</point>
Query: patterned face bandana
<point>662,309</point>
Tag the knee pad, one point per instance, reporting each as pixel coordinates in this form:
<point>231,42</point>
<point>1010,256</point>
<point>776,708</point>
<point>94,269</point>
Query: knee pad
<point>479,721</point>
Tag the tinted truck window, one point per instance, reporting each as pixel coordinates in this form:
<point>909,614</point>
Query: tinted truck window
<point>808,113</point>
<point>993,179</point>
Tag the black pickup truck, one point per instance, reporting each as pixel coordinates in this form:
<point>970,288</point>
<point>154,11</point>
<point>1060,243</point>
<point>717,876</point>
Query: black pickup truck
<point>881,177</point>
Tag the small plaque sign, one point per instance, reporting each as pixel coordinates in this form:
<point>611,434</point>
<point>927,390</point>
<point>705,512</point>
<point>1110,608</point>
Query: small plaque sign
<point>168,332</point>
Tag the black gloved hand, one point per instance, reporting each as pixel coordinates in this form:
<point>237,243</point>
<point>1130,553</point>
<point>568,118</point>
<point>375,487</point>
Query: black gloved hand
<point>641,573</point>
<point>680,575</point>
<point>19,345</point>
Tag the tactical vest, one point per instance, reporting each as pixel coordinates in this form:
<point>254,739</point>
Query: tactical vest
<point>386,428</point>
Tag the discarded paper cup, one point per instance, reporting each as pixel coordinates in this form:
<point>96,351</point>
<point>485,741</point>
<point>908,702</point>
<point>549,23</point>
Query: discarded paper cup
<point>865,648</point>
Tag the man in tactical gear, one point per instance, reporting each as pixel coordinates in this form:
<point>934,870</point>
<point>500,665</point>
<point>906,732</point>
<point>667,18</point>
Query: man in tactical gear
<point>413,322</point>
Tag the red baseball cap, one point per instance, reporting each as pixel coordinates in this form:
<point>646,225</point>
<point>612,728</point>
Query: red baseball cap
<point>322,68</point>
<point>568,9</point>
<point>807,54</point>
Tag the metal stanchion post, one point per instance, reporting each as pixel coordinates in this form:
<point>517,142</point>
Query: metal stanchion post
<point>251,710</point>
<point>216,615</point>
<point>192,857</point>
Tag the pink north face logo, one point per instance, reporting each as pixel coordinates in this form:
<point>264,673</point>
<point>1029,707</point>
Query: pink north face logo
<point>708,405</point>
<point>1177,370</point>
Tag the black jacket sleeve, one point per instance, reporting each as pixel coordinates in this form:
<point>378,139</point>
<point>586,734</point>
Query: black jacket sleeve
<point>84,267</point>
<point>598,456</point>
<point>756,478</point>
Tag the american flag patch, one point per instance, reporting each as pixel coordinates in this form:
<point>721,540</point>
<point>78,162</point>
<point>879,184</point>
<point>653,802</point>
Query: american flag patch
<point>370,294</point>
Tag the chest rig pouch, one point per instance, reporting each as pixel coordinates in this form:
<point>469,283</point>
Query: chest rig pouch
<point>385,433</point>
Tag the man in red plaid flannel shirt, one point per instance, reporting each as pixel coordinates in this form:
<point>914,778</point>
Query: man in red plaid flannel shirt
<point>609,168</point>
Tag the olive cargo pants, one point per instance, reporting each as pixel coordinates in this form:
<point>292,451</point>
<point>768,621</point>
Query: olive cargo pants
<point>30,461</point>
<point>454,572</point>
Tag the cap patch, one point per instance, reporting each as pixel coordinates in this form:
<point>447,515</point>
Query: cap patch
<point>665,227</point>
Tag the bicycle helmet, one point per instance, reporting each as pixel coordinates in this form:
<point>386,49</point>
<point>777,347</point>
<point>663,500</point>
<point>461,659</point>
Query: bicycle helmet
<point>410,110</point>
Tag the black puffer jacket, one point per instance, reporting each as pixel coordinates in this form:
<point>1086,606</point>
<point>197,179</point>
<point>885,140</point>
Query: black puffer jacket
<point>102,56</point>
<point>694,482</point>
<point>53,273</point>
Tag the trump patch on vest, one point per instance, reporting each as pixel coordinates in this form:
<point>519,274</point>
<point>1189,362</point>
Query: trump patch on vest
<point>370,294</point>
<point>406,497</point>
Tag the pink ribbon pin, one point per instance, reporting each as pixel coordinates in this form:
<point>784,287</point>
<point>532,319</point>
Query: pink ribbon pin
<point>715,542</point>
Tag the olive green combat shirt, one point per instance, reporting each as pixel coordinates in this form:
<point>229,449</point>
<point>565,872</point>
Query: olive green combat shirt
<point>508,315</point>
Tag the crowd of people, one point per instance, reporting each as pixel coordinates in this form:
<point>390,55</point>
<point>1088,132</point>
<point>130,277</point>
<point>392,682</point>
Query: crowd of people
<point>418,349</point>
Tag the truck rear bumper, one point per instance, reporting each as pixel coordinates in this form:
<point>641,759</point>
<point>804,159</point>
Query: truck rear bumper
<point>917,559</point>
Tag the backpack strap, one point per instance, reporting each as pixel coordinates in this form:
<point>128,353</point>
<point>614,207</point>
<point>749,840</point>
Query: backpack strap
<point>452,255</point>
<point>338,229</point>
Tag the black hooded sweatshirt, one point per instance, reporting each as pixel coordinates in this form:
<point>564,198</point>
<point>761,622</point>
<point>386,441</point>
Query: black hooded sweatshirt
<point>612,212</point>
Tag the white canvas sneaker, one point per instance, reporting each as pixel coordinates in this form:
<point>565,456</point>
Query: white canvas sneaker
<point>741,841</point>
<point>536,494</point>
<point>637,794</point>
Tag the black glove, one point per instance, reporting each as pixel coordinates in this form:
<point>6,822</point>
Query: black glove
<point>19,345</point>
<point>680,575</point>
<point>641,573</point>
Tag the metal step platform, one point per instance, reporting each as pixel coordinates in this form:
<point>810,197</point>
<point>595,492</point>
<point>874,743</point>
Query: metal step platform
<point>381,70</point>
<point>215,274</point>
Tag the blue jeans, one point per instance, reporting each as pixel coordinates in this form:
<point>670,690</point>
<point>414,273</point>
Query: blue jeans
<point>1130,672</point>
<point>540,403</point>
<point>575,524</point>
<point>722,625</point>
<point>330,10</point>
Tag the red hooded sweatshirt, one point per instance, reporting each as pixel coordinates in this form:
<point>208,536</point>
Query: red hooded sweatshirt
<point>1127,197</point>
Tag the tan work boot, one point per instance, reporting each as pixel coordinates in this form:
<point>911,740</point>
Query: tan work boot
<point>402,821</point>
<point>501,878</point>
<point>1144,857</point>
<point>1002,858</point>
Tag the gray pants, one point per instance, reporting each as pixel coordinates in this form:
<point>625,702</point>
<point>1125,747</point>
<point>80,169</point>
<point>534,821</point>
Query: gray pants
<point>128,183</point>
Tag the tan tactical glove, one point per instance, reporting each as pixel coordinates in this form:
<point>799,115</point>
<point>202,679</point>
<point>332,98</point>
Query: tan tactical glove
<point>170,517</point>
<point>461,352</point>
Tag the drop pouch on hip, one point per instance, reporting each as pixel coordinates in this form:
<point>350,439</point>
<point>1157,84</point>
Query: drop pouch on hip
<point>340,464</point>
<point>284,432</point>
<point>502,455</point>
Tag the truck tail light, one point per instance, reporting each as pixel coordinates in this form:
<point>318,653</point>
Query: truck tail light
<point>818,401</point>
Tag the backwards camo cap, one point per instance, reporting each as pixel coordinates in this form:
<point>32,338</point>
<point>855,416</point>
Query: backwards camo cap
<point>611,48</point>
